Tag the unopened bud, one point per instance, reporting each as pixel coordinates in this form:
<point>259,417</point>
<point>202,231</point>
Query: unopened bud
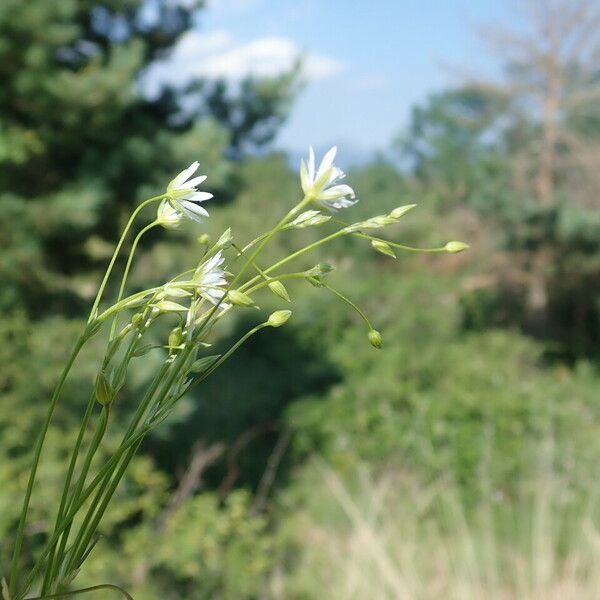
<point>375,339</point>
<point>204,239</point>
<point>279,289</point>
<point>278,318</point>
<point>454,247</point>
<point>169,306</point>
<point>401,211</point>
<point>320,269</point>
<point>103,389</point>
<point>225,240</point>
<point>383,248</point>
<point>175,338</point>
<point>238,298</point>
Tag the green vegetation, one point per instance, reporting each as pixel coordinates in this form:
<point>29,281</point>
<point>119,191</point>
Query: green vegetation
<point>461,459</point>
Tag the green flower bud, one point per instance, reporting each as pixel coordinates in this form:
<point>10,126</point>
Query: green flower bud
<point>238,298</point>
<point>454,247</point>
<point>401,211</point>
<point>279,290</point>
<point>383,248</point>
<point>168,306</point>
<point>103,390</point>
<point>279,318</point>
<point>320,269</point>
<point>309,218</point>
<point>175,338</point>
<point>225,240</point>
<point>375,339</point>
<point>204,239</point>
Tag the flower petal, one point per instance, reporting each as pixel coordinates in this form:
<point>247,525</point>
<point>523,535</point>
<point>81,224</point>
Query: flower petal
<point>183,176</point>
<point>327,161</point>
<point>311,165</point>
<point>199,196</point>
<point>304,177</point>
<point>337,191</point>
<point>195,182</point>
<point>193,211</point>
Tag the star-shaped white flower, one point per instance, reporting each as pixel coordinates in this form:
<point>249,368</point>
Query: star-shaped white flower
<point>322,184</point>
<point>184,198</point>
<point>211,278</point>
<point>211,282</point>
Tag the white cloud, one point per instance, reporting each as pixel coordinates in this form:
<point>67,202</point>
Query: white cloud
<point>217,54</point>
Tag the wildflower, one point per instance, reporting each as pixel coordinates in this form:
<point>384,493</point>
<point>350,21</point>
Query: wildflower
<point>323,185</point>
<point>184,198</point>
<point>210,279</point>
<point>168,216</point>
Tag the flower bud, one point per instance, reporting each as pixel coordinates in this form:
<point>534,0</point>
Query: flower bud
<point>204,239</point>
<point>279,290</point>
<point>309,218</point>
<point>375,339</point>
<point>401,211</point>
<point>169,306</point>
<point>103,390</point>
<point>279,318</point>
<point>238,298</point>
<point>320,269</point>
<point>383,248</point>
<point>167,216</point>
<point>454,247</point>
<point>175,338</point>
<point>225,240</point>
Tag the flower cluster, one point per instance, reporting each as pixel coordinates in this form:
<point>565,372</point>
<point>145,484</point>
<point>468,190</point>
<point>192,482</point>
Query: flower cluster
<point>196,300</point>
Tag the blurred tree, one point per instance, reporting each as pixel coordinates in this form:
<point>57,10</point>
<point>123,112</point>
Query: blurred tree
<point>552,78</point>
<point>523,150</point>
<point>80,141</point>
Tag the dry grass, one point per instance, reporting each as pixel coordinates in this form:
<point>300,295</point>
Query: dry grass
<point>401,540</point>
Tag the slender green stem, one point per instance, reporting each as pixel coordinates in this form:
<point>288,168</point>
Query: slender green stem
<point>117,250</point>
<point>36,459</point>
<point>294,255</point>
<point>136,241</point>
<point>73,510</point>
<point>241,252</point>
<point>225,356</point>
<point>94,588</point>
<point>96,440</point>
<point>50,571</point>
<point>349,303</point>
<point>98,506</point>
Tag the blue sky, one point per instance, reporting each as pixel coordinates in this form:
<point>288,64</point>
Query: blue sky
<point>367,62</point>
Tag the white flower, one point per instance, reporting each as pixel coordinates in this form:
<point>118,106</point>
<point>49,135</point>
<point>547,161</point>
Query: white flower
<point>322,185</point>
<point>167,216</point>
<point>211,278</point>
<point>211,281</point>
<point>184,198</point>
